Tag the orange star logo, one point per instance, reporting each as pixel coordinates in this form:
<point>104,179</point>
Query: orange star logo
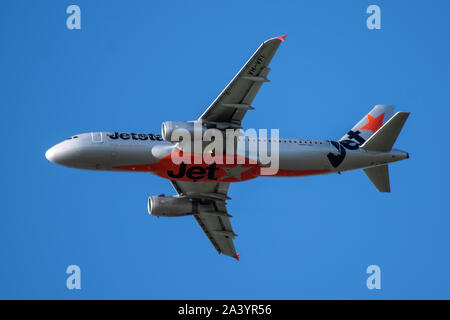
<point>374,123</point>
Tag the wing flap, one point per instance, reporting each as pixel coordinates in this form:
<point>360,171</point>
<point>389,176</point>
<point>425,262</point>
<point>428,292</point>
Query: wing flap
<point>212,215</point>
<point>217,232</point>
<point>243,87</point>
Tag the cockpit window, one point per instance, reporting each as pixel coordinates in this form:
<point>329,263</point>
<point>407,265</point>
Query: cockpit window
<point>73,137</point>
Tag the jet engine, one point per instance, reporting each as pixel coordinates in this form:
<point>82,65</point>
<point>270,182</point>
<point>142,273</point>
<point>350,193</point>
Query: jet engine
<point>169,127</point>
<point>162,206</point>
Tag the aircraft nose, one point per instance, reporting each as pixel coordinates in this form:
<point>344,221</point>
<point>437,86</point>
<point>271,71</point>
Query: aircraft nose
<point>61,154</point>
<point>55,154</point>
<point>51,154</point>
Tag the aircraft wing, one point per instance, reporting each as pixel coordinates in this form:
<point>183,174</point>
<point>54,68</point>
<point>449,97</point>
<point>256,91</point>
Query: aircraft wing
<point>212,214</point>
<point>230,106</point>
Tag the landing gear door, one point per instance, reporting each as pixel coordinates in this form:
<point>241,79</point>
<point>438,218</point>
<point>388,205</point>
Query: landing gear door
<point>97,137</point>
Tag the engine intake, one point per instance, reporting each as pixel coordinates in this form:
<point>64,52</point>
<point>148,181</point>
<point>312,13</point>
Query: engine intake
<point>169,127</point>
<point>162,206</point>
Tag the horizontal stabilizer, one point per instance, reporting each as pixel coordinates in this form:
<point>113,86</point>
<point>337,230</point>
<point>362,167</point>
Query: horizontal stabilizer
<point>380,177</point>
<point>385,137</point>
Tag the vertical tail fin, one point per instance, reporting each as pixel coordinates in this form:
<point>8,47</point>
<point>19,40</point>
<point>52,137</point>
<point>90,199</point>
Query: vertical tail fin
<point>370,124</point>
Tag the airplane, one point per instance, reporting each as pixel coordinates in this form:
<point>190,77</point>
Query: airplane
<point>202,188</point>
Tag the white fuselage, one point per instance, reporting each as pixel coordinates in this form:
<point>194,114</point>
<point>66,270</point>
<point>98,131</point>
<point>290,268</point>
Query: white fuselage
<point>150,153</point>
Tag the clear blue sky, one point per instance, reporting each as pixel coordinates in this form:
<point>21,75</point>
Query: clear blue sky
<point>135,64</point>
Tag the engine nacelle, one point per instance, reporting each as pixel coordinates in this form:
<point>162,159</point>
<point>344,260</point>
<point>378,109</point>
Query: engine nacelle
<point>169,127</point>
<point>162,206</point>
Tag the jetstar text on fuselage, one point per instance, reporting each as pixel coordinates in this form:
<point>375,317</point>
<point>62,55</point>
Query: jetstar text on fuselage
<point>135,136</point>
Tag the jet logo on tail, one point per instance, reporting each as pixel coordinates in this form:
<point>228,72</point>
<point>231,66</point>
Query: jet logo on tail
<point>353,139</point>
<point>374,123</point>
